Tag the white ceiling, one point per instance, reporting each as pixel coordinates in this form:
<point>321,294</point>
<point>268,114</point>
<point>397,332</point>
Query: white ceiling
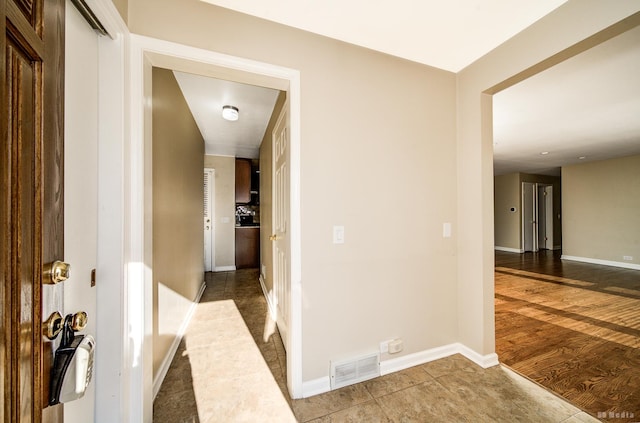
<point>206,96</point>
<point>447,34</point>
<point>587,106</point>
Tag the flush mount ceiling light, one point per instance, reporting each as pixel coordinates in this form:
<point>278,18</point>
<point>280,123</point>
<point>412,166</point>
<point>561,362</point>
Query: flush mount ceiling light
<point>544,153</point>
<point>230,113</point>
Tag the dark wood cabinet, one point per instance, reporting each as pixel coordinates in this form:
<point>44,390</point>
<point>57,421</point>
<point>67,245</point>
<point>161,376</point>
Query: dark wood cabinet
<point>243,181</point>
<point>247,247</point>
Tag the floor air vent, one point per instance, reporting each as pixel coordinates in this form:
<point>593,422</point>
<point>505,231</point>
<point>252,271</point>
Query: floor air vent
<point>354,370</point>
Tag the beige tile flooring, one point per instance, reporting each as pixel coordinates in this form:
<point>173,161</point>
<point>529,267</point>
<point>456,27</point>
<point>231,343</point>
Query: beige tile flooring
<point>215,377</point>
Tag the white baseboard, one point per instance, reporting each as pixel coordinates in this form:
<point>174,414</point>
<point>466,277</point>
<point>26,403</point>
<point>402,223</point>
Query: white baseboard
<point>224,269</point>
<point>509,250</point>
<point>396,364</point>
<point>602,262</point>
<point>322,385</point>
<point>166,363</point>
<point>316,387</point>
<point>270,305</point>
<point>484,361</point>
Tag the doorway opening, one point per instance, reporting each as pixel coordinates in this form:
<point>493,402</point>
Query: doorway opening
<point>544,328</point>
<point>537,217</point>
<point>148,53</point>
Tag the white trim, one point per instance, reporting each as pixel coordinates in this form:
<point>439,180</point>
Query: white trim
<point>224,269</point>
<point>322,385</point>
<point>602,262</point>
<point>270,305</point>
<point>147,52</point>
<point>316,387</point>
<point>166,363</point>
<point>509,250</point>
<point>109,17</point>
<point>113,365</point>
<point>400,363</point>
<point>484,361</point>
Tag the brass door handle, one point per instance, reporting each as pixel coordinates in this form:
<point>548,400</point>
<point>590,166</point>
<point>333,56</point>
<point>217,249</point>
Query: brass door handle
<point>79,321</point>
<point>55,272</point>
<point>53,325</point>
<point>274,237</point>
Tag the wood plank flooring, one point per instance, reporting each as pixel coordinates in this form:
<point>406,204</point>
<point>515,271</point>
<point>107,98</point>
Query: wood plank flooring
<point>572,327</point>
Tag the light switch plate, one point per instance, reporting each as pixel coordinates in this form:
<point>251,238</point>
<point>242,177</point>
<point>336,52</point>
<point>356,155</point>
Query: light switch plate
<point>446,230</point>
<point>338,234</point>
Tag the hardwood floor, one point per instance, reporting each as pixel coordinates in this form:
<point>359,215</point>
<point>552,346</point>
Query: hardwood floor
<point>572,327</point>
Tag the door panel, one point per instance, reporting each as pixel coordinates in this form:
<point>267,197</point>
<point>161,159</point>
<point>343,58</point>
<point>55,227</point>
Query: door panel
<point>209,243</point>
<point>281,238</point>
<point>541,217</point>
<point>31,128</point>
<point>548,213</point>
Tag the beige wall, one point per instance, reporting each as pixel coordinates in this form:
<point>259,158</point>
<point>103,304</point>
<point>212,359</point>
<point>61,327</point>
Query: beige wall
<point>529,52</point>
<point>507,223</point>
<point>266,153</point>
<point>225,210</point>
<point>386,173</point>
<point>426,161</point>
<point>178,246</point>
<point>602,210</point>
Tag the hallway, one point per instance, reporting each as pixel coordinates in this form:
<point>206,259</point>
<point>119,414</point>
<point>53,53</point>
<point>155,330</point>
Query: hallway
<point>446,390</point>
<point>572,327</point>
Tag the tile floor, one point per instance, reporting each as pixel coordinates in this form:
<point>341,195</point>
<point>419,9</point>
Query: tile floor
<point>452,389</point>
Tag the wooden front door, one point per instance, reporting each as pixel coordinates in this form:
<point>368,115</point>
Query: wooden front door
<point>31,200</point>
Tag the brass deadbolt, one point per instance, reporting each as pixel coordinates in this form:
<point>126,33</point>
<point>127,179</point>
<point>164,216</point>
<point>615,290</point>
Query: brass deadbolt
<point>55,272</point>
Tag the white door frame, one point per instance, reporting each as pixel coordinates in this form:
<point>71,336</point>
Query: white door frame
<point>146,52</point>
<point>524,216</point>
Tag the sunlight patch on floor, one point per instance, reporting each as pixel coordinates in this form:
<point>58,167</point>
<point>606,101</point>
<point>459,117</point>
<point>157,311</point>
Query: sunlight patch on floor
<point>231,380</point>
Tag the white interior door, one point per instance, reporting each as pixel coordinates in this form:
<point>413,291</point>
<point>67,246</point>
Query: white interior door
<point>541,217</point>
<point>209,230</point>
<point>548,214</point>
<point>281,237</point>
<point>529,232</point>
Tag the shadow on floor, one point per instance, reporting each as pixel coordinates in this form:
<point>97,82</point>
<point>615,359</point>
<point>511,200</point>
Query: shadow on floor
<point>176,400</point>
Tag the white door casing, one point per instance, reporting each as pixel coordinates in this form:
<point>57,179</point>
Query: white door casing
<point>529,232</point>
<point>280,217</point>
<point>209,220</point>
<point>146,52</point>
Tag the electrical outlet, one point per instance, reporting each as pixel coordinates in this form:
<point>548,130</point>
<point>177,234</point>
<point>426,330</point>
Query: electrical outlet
<point>391,346</point>
<point>384,346</point>
<point>627,258</point>
<point>395,346</point>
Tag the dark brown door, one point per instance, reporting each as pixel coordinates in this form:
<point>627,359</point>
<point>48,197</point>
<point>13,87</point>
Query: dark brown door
<point>31,215</point>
